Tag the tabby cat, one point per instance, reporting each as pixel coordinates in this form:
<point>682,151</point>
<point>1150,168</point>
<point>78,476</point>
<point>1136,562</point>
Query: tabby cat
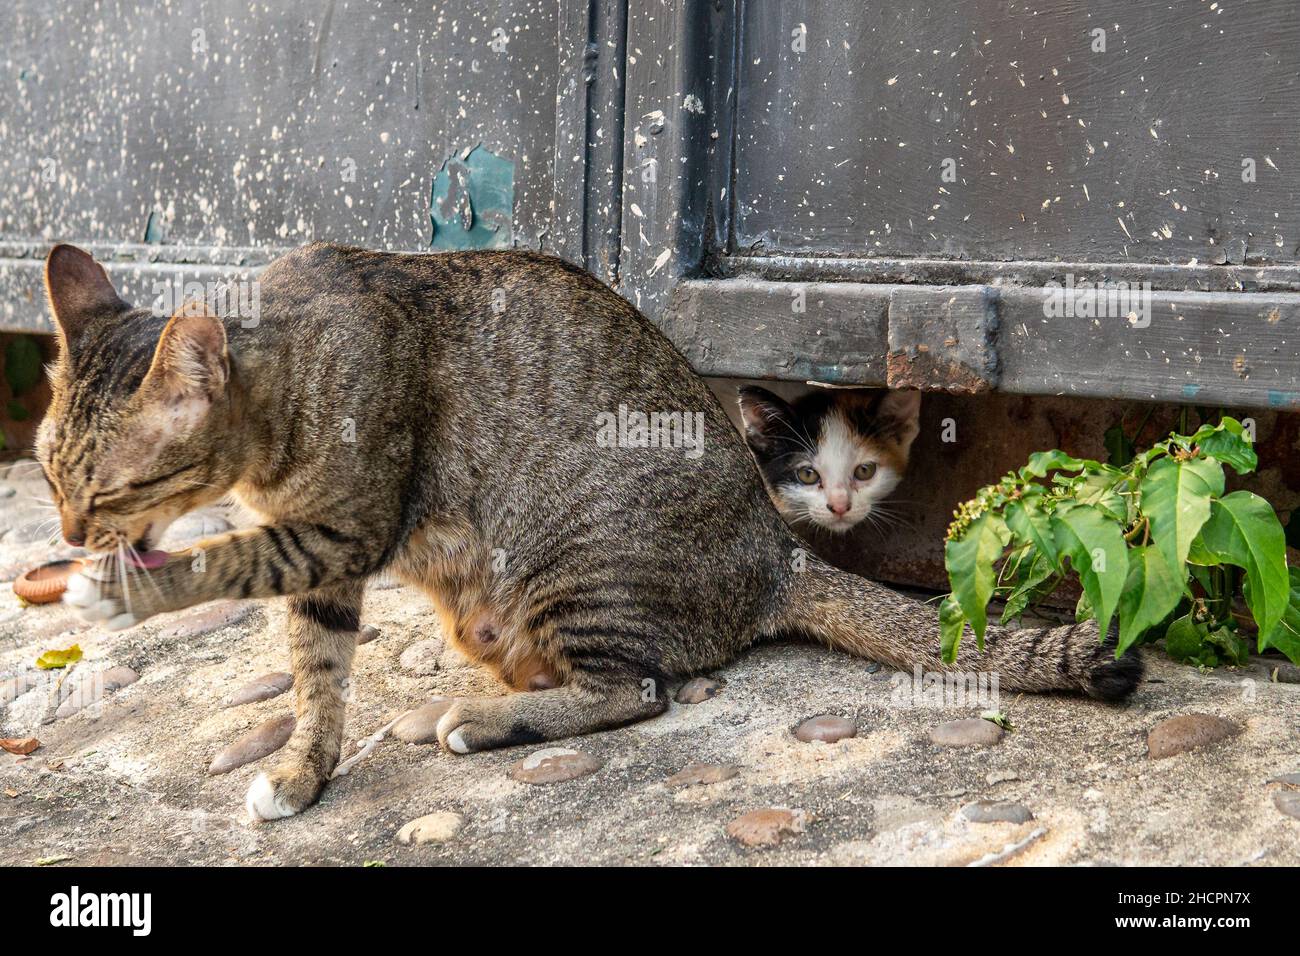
<point>440,417</point>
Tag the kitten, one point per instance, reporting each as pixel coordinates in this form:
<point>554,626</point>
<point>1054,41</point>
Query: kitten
<point>830,457</point>
<point>385,414</point>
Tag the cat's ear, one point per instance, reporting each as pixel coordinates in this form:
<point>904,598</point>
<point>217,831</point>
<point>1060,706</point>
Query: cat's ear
<point>78,289</point>
<point>767,417</point>
<point>899,416</point>
<point>192,360</point>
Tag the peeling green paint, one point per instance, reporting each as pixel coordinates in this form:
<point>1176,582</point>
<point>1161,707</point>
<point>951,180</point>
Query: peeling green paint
<point>472,202</point>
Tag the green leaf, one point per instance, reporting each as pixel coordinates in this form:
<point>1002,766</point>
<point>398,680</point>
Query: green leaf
<point>1176,497</point>
<point>1100,490</point>
<point>1083,532</point>
<point>1151,591</point>
<point>1244,531</point>
<point>969,560</point>
<point>1231,449</point>
<point>951,624</point>
<point>1029,585</point>
<point>1233,646</point>
<point>52,660</point>
<point>1185,640</point>
<point>1285,637</point>
<point>22,364</point>
<point>1041,462</point>
<point>1031,525</point>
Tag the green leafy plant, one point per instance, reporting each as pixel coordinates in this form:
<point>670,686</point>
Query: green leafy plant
<point>1153,540</point>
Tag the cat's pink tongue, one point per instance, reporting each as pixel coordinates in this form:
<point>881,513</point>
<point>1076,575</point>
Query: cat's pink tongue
<point>149,559</point>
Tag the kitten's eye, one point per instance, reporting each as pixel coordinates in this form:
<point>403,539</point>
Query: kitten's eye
<point>864,471</point>
<point>807,476</point>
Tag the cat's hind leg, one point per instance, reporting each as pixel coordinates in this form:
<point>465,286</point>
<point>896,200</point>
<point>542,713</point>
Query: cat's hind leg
<point>585,704</point>
<point>322,641</point>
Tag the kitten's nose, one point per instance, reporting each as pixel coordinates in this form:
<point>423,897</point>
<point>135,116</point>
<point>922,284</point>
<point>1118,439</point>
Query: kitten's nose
<point>838,508</point>
<point>74,530</point>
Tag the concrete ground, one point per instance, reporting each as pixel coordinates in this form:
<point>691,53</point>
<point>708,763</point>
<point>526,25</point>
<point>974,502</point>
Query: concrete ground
<point>123,780</point>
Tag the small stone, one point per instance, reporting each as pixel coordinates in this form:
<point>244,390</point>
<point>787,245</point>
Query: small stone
<point>992,811</point>
<point>384,582</point>
<point>15,687</point>
<point>971,732</point>
<point>21,746</point>
<point>1001,776</point>
<point>1288,801</point>
<point>1188,732</point>
<point>422,657</point>
<point>367,634</point>
<point>420,726</point>
<point>433,828</point>
<point>260,688</point>
<point>7,491</point>
<point>198,623</point>
<point>1286,674</point>
<point>555,765</point>
<point>827,729</point>
<point>873,667</point>
<point>193,527</point>
<point>697,773</point>
<point>91,688</point>
<point>266,738</point>
<point>1287,780</point>
<point>698,689</point>
<point>766,827</point>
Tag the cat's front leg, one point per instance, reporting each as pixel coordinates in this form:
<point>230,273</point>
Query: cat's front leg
<point>322,641</point>
<point>254,563</point>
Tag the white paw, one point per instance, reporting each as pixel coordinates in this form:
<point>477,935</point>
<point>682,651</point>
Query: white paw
<point>454,737</point>
<point>83,593</point>
<point>261,803</point>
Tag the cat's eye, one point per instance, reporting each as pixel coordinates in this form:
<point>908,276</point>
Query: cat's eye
<point>864,471</point>
<point>807,476</point>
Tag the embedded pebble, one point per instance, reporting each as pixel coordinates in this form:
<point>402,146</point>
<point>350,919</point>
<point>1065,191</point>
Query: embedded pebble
<point>555,765</point>
<point>827,728</point>
<point>1288,801</point>
<point>91,688</point>
<point>1287,674</point>
<point>971,732</point>
<point>198,623</point>
<point>422,657</point>
<point>367,634</point>
<point>1288,779</point>
<point>193,527</point>
<point>266,738</point>
<point>1188,732</point>
<point>420,726</point>
<point>432,828</point>
<point>7,491</point>
<point>260,688</point>
<point>992,811</point>
<point>697,773</point>
<point>1001,776</point>
<point>766,827</point>
<point>698,689</point>
<point>15,687</point>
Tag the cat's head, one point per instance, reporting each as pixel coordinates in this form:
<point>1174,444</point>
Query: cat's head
<point>829,457</point>
<point>139,410</point>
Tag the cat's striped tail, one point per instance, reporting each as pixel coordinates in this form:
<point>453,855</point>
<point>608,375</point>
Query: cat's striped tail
<point>850,613</point>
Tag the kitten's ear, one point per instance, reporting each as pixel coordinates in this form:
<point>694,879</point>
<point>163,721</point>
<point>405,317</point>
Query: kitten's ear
<point>766,417</point>
<point>78,289</point>
<point>899,415</point>
<point>191,360</point>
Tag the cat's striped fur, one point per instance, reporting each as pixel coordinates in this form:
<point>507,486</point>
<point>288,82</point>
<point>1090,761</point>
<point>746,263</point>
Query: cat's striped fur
<point>436,416</point>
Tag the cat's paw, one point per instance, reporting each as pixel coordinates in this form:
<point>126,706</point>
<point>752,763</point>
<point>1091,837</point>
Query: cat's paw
<point>98,601</point>
<point>485,723</point>
<point>281,793</point>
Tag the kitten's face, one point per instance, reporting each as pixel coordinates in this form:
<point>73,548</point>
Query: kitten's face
<point>830,457</point>
<point>128,444</point>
